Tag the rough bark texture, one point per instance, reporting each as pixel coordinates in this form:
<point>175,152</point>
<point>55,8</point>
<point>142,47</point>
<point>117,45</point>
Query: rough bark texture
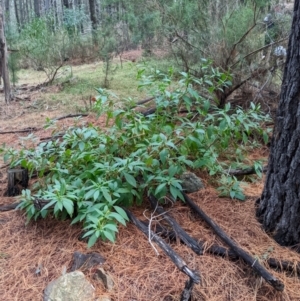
<point>279,206</point>
<point>93,15</point>
<point>37,8</point>
<point>4,60</point>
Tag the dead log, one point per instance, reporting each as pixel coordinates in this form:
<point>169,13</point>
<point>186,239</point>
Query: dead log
<point>178,261</point>
<point>252,262</point>
<point>179,232</point>
<point>17,180</point>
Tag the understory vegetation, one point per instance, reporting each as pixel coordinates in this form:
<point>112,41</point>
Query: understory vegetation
<point>88,174</point>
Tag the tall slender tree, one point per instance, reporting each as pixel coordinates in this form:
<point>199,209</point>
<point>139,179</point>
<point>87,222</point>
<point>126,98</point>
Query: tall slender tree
<point>37,8</point>
<point>4,60</point>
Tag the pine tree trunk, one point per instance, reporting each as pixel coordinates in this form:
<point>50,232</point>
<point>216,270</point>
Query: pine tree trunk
<point>4,60</point>
<point>279,207</point>
<point>93,14</point>
<point>37,10</point>
<point>17,15</point>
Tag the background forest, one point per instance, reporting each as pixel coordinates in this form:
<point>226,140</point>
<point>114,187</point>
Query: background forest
<point>245,39</point>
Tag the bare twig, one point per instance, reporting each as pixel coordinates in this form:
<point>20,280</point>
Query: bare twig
<point>258,50</point>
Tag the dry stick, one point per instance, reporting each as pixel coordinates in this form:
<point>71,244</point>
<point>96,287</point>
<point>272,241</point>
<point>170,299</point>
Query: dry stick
<point>189,241</point>
<point>187,292</point>
<point>141,102</point>
<point>217,250</point>
<point>181,265</point>
<point>284,265</point>
<point>253,263</point>
<point>52,137</point>
<point>20,131</point>
<point>70,116</point>
<point>149,112</point>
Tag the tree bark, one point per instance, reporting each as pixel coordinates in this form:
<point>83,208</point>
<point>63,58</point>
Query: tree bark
<point>17,15</point>
<point>279,205</point>
<point>37,9</point>
<point>93,14</point>
<point>4,60</point>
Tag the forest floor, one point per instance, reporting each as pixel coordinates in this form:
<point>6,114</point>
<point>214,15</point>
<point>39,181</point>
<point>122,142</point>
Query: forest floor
<point>139,274</point>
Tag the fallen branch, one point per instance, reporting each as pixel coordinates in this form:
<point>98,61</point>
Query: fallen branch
<point>20,131</point>
<point>284,265</point>
<point>252,262</point>
<point>9,207</point>
<point>187,292</point>
<point>52,137</point>
<point>70,116</point>
<point>189,241</point>
<point>178,261</point>
<point>149,112</point>
<point>141,102</point>
<point>217,250</point>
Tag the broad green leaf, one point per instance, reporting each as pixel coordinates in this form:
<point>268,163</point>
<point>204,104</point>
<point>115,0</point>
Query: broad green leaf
<point>69,206</point>
<point>92,240</point>
<point>172,170</point>
<point>163,155</point>
<point>49,204</point>
<point>159,188</point>
<point>122,212</point>
<point>109,235</point>
<point>96,195</point>
<point>89,194</point>
<point>130,179</point>
<point>106,194</point>
<point>118,217</point>
<point>111,227</point>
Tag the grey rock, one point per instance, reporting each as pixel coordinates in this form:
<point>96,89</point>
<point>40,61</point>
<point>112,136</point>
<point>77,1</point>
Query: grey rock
<point>106,279</point>
<point>70,287</point>
<point>86,261</point>
<point>190,182</point>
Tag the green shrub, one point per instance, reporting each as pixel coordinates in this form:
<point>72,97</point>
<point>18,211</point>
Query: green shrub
<point>91,172</point>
